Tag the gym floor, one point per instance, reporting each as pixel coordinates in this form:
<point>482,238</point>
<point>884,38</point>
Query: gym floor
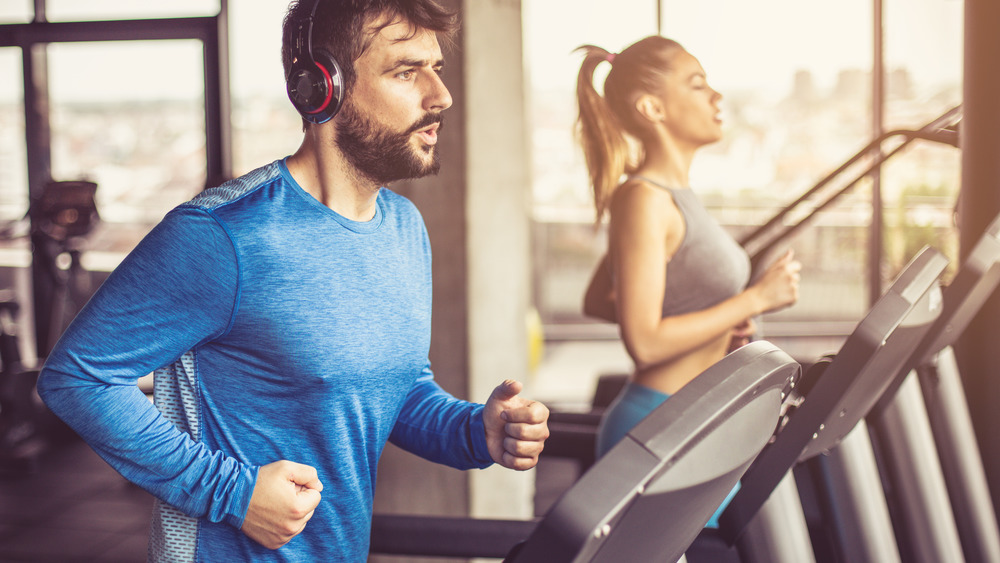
<point>72,507</point>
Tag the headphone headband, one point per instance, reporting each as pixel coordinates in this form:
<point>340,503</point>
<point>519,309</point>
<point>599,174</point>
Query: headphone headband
<point>305,31</point>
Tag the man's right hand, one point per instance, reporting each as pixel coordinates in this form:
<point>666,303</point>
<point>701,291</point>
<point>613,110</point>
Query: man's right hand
<point>283,500</point>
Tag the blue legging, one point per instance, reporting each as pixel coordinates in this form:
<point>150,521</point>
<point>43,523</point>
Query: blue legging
<point>628,409</point>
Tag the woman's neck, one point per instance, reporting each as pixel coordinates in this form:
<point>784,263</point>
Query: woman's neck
<point>666,165</point>
<point>663,175</point>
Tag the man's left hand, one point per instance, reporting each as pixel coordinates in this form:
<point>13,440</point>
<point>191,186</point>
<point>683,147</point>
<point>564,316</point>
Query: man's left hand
<point>516,428</point>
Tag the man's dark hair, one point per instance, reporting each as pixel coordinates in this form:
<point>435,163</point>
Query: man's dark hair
<point>339,27</point>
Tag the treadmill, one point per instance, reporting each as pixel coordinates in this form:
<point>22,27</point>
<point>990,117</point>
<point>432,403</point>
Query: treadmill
<point>825,422</point>
<point>649,497</point>
<point>942,499</point>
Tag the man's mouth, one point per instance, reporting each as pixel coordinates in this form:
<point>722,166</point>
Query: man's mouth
<point>429,135</point>
<point>427,128</point>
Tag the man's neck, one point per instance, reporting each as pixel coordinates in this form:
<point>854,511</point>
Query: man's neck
<point>327,176</point>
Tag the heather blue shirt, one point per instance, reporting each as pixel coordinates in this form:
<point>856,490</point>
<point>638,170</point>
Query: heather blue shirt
<point>277,329</point>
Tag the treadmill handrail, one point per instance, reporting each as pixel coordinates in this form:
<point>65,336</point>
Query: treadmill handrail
<point>939,130</point>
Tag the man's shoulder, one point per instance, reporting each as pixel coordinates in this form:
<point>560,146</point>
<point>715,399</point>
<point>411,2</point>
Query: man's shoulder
<point>237,188</point>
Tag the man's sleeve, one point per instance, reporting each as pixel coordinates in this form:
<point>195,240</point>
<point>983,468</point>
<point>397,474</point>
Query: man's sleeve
<point>436,426</point>
<point>177,290</point>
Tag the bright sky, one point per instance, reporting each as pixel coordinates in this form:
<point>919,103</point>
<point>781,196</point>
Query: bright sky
<point>754,44</point>
<point>742,44</point>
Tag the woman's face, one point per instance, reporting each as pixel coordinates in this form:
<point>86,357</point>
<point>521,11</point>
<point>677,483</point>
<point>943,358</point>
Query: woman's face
<point>690,105</point>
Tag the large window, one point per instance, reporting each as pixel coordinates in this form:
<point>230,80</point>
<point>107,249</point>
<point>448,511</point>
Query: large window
<point>923,51</point>
<point>798,102</point>
<point>130,117</point>
<point>265,125</point>
<point>13,163</point>
<point>15,11</point>
<point>567,242</point>
<point>128,114</point>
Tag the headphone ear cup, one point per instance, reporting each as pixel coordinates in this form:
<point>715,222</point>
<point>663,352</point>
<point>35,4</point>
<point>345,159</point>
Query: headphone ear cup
<point>335,85</point>
<point>316,87</point>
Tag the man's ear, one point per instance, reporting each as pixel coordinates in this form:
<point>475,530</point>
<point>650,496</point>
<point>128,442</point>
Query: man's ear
<point>649,108</point>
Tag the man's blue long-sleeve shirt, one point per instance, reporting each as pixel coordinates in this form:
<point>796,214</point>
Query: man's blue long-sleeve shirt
<point>277,329</point>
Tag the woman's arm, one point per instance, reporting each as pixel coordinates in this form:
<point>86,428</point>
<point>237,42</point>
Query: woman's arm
<point>599,300</point>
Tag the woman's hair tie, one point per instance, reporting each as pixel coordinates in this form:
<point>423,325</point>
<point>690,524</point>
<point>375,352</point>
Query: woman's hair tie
<point>610,57</point>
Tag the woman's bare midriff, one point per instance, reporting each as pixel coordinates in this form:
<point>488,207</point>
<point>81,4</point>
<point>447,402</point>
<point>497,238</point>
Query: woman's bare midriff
<point>669,377</point>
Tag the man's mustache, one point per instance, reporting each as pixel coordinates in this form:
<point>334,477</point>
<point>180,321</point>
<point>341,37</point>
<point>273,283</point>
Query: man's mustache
<point>426,120</point>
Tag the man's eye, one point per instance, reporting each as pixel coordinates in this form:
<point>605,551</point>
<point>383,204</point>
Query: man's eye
<point>405,75</point>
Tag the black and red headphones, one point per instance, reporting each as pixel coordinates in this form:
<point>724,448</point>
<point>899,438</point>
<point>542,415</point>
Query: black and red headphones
<point>314,83</point>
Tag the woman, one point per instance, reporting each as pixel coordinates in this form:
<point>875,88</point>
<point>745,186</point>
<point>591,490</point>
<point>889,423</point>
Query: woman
<point>673,279</point>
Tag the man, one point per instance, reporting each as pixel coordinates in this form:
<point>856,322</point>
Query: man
<point>287,317</point>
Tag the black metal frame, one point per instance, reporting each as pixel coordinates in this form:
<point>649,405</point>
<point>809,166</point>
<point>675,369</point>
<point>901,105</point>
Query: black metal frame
<point>211,31</point>
<point>31,38</point>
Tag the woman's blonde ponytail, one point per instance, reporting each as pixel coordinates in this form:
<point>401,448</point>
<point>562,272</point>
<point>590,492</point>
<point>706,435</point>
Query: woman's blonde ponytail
<point>599,132</point>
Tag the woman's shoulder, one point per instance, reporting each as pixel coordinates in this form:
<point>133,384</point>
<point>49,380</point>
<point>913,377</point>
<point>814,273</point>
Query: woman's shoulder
<point>640,195</point>
<point>646,210</point>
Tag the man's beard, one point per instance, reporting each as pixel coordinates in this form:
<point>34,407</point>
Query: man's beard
<point>381,155</point>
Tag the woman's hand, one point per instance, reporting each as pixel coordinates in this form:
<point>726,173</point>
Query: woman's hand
<point>779,286</point>
<point>741,335</point>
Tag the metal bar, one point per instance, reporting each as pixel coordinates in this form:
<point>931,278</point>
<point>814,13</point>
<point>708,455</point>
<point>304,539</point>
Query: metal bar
<point>961,464</point>
<point>778,533</point>
<point>446,536</point>
<point>39,6</point>
<point>38,143</point>
<point>918,493</point>
<point>37,131</point>
<point>860,514</point>
<point>979,203</point>
<point>659,17</point>
<point>878,110</point>
<point>24,34</point>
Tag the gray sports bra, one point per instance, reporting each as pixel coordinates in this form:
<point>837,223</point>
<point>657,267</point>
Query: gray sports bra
<point>709,266</point>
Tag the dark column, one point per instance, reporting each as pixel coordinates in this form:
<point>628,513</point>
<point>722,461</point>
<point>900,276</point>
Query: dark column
<point>38,141</point>
<point>218,130</point>
<point>979,204</point>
